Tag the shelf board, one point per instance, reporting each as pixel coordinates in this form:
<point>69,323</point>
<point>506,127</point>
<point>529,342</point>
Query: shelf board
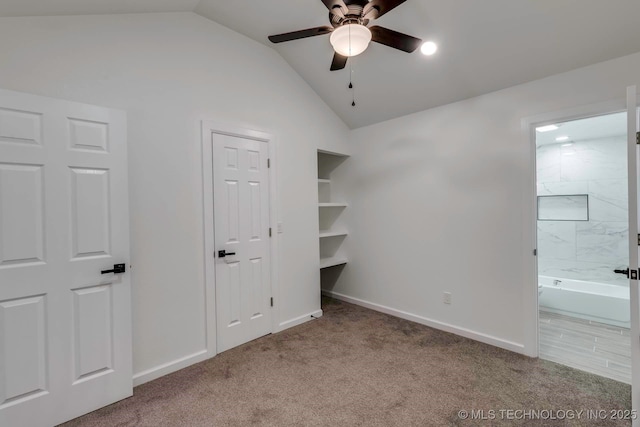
<point>324,181</point>
<point>332,153</point>
<point>331,262</point>
<point>324,234</point>
<point>332,205</point>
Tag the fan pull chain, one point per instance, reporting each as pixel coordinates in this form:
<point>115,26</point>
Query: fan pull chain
<point>353,92</point>
<point>353,96</point>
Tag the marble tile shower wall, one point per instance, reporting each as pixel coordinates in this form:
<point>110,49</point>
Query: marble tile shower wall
<point>585,250</point>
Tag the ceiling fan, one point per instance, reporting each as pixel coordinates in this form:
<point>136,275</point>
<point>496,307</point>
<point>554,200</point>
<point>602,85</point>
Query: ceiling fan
<point>350,35</point>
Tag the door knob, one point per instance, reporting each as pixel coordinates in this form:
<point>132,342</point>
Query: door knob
<point>223,253</point>
<point>625,272</point>
<point>117,269</point>
<point>631,274</point>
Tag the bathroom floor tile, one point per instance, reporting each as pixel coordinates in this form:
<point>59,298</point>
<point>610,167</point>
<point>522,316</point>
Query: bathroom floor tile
<point>593,347</point>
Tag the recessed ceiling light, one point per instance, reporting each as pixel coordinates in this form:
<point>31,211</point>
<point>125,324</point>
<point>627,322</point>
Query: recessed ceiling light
<point>567,145</point>
<point>429,48</point>
<point>547,128</point>
<point>562,138</point>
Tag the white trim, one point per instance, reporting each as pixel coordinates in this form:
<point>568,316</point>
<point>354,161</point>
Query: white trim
<point>467,333</point>
<point>632,177</point>
<point>170,367</point>
<point>530,241</point>
<point>299,320</point>
<point>208,128</point>
<point>274,218</point>
<point>529,191</point>
<point>209,297</point>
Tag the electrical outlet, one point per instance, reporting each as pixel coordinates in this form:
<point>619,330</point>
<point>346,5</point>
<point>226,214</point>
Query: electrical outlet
<point>446,298</point>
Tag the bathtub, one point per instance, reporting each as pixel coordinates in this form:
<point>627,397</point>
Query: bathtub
<point>599,302</point>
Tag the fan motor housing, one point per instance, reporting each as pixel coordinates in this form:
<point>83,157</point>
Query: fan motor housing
<point>356,8</point>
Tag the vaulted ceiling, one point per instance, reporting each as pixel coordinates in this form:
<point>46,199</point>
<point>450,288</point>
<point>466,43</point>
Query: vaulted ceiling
<point>485,45</point>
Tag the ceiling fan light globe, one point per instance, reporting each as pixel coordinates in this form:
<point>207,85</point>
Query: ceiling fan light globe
<point>350,40</point>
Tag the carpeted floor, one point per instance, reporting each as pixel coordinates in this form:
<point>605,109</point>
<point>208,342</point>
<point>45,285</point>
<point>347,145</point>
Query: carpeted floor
<point>357,367</point>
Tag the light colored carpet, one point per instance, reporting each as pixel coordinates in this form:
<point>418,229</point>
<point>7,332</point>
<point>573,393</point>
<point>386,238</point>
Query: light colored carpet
<point>357,367</point>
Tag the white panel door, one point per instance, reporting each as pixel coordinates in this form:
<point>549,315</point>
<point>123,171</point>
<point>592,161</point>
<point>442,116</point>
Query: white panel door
<point>241,216</point>
<point>634,180</point>
<point>65,328</point>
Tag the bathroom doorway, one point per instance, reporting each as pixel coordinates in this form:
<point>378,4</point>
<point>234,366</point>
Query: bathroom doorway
<point>582,238</point>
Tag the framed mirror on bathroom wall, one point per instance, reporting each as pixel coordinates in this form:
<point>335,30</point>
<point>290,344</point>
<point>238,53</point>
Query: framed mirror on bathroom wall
<point>567,207</point>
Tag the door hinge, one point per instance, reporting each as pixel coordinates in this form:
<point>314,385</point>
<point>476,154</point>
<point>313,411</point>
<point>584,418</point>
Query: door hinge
<point>271,301</point>
<point>268,163</point>
<point>270,232</point>
<point>535,252</point>
<point>638,239</point>
<point>637,137</point>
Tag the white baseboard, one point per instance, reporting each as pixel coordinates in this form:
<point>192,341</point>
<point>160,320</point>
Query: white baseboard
<point>167,368</point>
<point>176,365</point>
<point>467,333</point>
<point>299,320</point>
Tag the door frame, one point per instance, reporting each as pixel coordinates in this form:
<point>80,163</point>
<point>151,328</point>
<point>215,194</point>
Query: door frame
<point>632,152</point>
<point>529,206</point>
<point>210,127</point>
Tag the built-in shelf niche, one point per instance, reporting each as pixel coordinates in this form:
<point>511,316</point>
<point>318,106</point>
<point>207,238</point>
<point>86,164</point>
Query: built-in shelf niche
<point>330,246</point>
<point>329,216</point>
<point>332,228</point>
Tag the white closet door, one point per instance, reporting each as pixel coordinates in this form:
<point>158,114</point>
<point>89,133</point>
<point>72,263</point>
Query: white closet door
<point>65,328</point>
<point>241,216</point>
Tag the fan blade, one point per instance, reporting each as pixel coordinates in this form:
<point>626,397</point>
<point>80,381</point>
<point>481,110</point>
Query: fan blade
<point>382,7</point>
<point>394,39</point>
<point>331,4</point>
<point>339,62</point>
<point>295,35</point>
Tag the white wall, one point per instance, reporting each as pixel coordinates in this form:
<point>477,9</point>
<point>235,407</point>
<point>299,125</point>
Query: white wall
<point>442,200</point>
<point>169,71</point>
